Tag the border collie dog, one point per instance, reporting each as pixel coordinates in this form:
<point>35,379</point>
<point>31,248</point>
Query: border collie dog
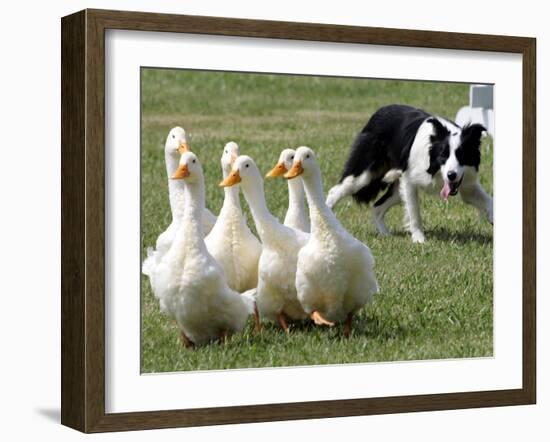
<point>402,150</point>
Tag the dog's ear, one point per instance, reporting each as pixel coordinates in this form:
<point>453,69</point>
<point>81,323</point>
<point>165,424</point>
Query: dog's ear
<point>469,153</point>
<point>441,132</point>
<point>471,134</point>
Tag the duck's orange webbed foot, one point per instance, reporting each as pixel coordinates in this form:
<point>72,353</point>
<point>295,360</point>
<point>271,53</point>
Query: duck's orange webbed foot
<point>320,320</point>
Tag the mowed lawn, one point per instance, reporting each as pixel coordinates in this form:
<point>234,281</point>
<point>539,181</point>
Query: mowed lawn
<point>436,299</point>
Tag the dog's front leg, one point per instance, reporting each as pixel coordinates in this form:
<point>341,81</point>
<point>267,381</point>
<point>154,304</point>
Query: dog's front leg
<point>476,195</point>
<point>409,195</point>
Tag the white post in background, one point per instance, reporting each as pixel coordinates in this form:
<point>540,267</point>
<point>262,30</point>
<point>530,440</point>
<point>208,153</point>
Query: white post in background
<point>480,109</point>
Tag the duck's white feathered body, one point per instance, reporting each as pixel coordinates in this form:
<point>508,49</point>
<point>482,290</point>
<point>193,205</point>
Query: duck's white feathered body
<point>166,238</point>
<point>276,292</point>
<point>230,241</point>
<point>176,142</point>
<point>189,282</point>
<point>335,271</point>
<point>235,248</point>
<point>334,275</point>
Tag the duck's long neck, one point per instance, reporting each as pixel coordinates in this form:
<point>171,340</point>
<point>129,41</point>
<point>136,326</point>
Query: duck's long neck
<point>231,198</point>
<point>319,212</point>
<point>176,188</point>
<point>190,234</point>
<point>296,196</point>
<point>266,224</point>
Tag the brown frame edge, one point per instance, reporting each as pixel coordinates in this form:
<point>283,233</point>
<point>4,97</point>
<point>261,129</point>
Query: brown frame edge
<point>83,215</point>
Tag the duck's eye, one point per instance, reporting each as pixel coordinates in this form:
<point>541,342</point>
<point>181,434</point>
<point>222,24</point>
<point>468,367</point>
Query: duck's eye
<point>292,157</point>
<point>194,161</point>
<point>307,156</point>
<point>247,165</point>
<point>173,136</point>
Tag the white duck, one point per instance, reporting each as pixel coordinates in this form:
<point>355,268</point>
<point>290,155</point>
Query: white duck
<point>296,215</point>
<point>176,144</point>
<point>276,293</point>
<point>335,272</point>
<point>188,281</point>
<point>230,241</point>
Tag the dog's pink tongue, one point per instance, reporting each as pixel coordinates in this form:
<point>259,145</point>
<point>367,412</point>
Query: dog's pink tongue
<point>445,191</point>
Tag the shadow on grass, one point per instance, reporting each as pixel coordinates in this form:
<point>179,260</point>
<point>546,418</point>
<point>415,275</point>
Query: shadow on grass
<point>382,330</point>
<point>460,237</point>
<point>442,234</point>
<point>367,327</point>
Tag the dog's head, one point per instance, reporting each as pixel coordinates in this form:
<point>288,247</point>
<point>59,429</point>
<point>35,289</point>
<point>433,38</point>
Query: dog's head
<point>452,150</point>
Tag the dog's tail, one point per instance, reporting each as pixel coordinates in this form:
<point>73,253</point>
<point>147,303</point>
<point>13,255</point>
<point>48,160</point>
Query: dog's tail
<point>366,172</point>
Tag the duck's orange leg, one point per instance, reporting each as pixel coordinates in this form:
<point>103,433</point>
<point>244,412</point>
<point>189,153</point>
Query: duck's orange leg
<point>347,325</point>
<point>281,317</point>
<point>257,323</point>
<point>224,334</point>
<point>187,343</point>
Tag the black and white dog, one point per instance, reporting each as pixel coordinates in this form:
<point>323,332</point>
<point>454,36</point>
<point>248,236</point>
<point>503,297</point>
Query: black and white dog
<point>402,150</point>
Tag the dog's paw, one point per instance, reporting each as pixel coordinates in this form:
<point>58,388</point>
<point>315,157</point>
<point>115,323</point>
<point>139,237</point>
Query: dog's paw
<point>418,237</point>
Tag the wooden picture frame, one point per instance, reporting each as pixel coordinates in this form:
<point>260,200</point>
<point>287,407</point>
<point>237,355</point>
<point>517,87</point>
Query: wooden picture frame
<point>83,219</point>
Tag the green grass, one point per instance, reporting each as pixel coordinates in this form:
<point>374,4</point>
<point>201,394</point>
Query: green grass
<point>436,299</point>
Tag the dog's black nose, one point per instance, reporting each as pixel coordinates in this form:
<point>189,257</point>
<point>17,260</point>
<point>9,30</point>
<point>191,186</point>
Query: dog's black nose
<point>451,175</point>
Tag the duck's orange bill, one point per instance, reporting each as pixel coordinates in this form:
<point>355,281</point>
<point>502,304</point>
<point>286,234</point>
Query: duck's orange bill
<point>232,179</point>
<point>183,147</point>
<point>295,170</point>
<point>278,170</point>
<point>181,172</point>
